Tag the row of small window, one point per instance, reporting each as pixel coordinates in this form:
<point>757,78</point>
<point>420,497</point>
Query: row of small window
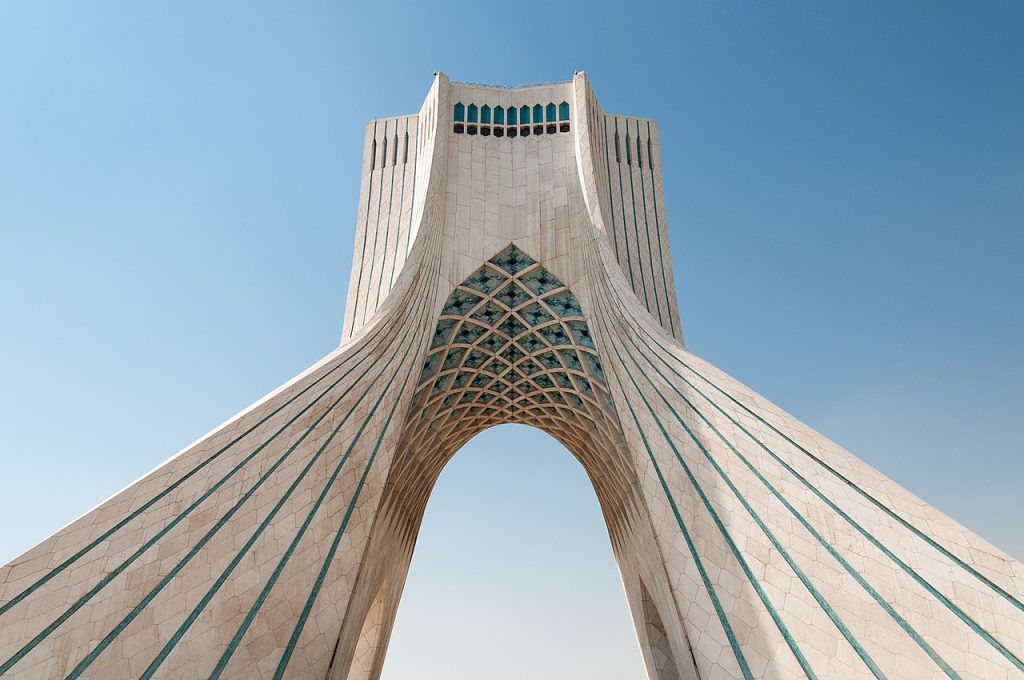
<point>512,121</point>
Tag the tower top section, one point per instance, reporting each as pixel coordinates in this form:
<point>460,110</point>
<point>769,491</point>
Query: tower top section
<point>540,166</point>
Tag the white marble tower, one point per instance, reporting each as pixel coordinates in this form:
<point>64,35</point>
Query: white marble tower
<point>512,266</point>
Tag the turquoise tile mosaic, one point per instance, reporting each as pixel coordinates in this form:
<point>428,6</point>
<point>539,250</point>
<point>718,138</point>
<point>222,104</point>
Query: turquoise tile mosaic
<point>520,344</point>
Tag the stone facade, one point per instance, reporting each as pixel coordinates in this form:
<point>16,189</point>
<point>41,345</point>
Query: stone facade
<point>512,266</point>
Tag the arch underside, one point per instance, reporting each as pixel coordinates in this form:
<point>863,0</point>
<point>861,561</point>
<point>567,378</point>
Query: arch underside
<point>511,345</point>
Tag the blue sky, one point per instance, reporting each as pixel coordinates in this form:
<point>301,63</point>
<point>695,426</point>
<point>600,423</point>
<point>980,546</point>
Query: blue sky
<point>178,187</point>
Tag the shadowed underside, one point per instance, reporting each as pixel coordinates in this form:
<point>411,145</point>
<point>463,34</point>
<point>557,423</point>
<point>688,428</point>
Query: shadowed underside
<point>512,266</point>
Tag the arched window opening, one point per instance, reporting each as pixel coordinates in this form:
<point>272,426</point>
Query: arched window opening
<point>563,116</point>
<point>460,113</point>
<point>650,155</point>
<point>499,115</point>
<point>512,117</point>
<point>552,116</point>
<point>394,152</point>
<point>538,118</point>
<point>639,155</point>
<point>524,115</point>
<point>629,153</point>
<point>485,120</point>
<point>472,117</point>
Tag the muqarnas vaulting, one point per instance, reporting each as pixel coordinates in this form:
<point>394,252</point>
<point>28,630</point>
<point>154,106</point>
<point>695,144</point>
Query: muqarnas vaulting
<point>512,266</point>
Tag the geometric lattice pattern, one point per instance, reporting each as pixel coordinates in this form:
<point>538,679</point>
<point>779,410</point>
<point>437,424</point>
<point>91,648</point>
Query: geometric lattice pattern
<point>513,348</point>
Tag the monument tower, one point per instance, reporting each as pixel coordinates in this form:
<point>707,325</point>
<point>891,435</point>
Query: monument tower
<point>512,266</point>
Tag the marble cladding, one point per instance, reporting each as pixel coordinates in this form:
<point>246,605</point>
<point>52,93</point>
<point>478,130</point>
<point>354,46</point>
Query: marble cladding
<point>750,546</point>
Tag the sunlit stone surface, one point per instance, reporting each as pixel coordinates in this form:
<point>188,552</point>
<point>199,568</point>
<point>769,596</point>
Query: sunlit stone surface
<point>512,266</point>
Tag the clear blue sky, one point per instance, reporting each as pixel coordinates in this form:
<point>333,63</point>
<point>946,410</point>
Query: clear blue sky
<point>178,185</point>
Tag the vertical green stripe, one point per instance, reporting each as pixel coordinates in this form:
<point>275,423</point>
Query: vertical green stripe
<point>647,225</point>
<point>959,613</point>
<point>636,226</point>
<point>279,569</point>
<point>848,482</point>
<point>376,228</point>
<point>398,236</point>
<point>244,550</point>
<point>261,598</point>
<point>366,228</point>
<point>622,205</point>
<point>661,249</point>
<point>822,602</point>
<point>611,204</point>
<point>308,607</point>
<point>780,624</point>
<point>224,519</point>
<point>708,586</point>
<point>110,576</point>
<point>803,521</point>
<point>171,487</point>
<point>867,496</point>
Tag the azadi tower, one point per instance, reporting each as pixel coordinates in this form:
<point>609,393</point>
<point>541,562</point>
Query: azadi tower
<point>512,266</point>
